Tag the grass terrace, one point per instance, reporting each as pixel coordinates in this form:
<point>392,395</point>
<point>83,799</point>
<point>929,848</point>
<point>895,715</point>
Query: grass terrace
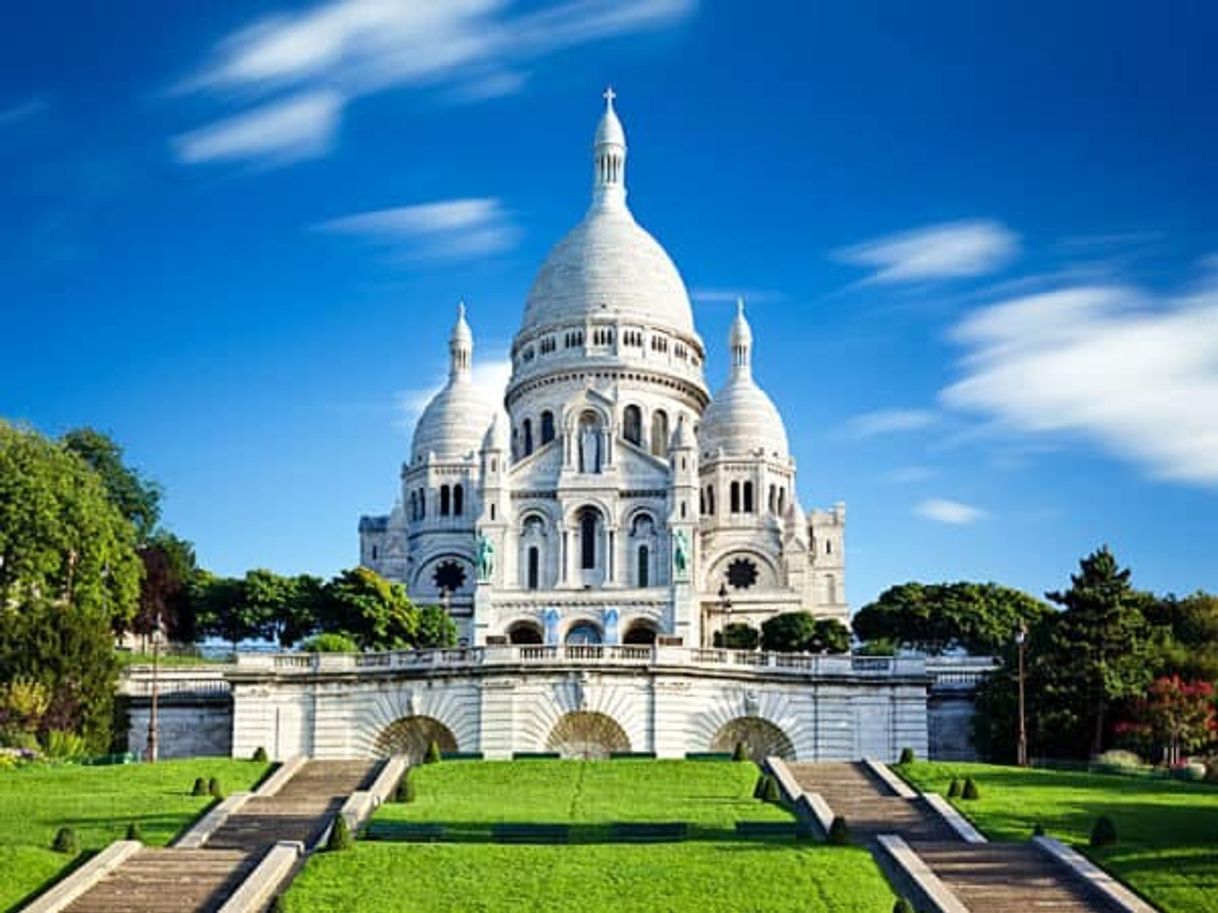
<point>98,802</point>
<point>710,872</point>
<point>1167,831</point>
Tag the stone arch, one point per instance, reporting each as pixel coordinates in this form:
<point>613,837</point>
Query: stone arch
<point>587,735</point>
<point>583,631</point>
<point>641,632</point>
<point>424,583</point>
<point>769,574</point>
<point>763,738</point>
<point>411,735</point>
<point>525,631</point>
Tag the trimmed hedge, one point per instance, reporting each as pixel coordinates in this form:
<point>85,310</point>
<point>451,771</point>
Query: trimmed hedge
<point>1103,832</point>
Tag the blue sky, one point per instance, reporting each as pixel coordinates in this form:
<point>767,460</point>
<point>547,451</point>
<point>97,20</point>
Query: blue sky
<point>978,243</point>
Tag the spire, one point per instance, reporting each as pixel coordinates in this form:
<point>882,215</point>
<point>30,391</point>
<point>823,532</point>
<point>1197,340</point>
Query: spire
<point>460,347</point>
<point>740,341</point>
<point>609,158</point>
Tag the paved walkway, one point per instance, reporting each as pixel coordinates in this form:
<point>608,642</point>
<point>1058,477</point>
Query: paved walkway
<point>985,877</point>
<point>200,881</point>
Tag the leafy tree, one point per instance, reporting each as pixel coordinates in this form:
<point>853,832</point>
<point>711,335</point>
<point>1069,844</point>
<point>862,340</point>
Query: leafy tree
<point>738,635</point>
<point>68,572</point>
<point>829,636</point>
<point>137,498</point>
<point>374,612</point>
<point>1186,636</point>
<point>1176,715</point>
<point>977,617</point>
<point>220,608</point>
<point>789,632</point>
<point>330,643</point>
<point>436,628</point>
<point>1098,644</point>
<point>169,565</point>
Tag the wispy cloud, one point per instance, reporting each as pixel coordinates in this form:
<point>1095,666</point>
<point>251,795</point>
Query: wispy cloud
<point>490,375</point>
<point>908,474</point>
<point>23,110</point>
<point>730,296</point>
<point>1133,372</point>
<point>950,250</point>
<point>299,127</point>
<point>469,49</point>
<point>442,230</point>
<point>890,421</point>
<point>953,513</point>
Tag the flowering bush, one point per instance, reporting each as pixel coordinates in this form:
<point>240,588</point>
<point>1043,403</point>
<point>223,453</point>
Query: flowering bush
<point>1175,715</point>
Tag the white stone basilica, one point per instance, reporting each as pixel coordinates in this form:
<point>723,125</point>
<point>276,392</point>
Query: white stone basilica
<point>615,500</point>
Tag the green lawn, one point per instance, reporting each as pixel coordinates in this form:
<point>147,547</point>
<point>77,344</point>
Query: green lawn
<point>699,877</point>
<point>99,802</point>
<point>135,658</point>
<point>1167,831</point>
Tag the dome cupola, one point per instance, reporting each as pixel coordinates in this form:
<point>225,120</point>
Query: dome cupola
<point>452,425</point>
<point>741,419</point>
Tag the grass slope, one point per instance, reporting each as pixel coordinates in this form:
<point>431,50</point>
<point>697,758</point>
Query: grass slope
<point>1167,831</point>
<point>701,877</point>
<point>99,802</point>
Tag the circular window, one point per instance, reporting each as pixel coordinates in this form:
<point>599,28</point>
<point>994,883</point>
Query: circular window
<point>742,573</point>
<point>449,575</point>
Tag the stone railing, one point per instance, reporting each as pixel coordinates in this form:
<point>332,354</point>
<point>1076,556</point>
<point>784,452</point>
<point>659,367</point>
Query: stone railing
<point>959,672</point>
<point>136,681</point>
<point>583,655</point>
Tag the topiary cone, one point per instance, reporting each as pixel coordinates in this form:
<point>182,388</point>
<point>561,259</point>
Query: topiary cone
<point>1103,833</point>
<point>405,790</point>
<point>903,906</point>
<point>200,787</point>
<point>839,832</point>
<point>433,753</point>
<point>740,752</point>
<point>340,836</point>
<point>134,832</point>
<point>953,790</point>
<point>65,841</point>
<point>970,790</point>
<point>770,792</point>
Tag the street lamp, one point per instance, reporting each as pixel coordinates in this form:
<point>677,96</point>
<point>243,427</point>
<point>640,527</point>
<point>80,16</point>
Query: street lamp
<point>725,609</point>
<point>1021,747</point>
<point>151,753</point>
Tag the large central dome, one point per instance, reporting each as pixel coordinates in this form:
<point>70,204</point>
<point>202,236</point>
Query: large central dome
<point>608,266</point>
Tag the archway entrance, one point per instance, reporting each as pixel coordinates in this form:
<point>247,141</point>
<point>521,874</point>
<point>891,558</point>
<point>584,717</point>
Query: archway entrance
<point>587,735</point>
<point>524,632</point>
<point>640,633</point>
<point>762,737</point>
<point>411,735</point>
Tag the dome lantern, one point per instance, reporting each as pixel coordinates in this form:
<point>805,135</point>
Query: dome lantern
<point>609,158</point>
<point>460,346</point>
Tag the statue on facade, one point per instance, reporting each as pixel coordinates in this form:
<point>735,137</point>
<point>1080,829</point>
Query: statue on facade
<point>589,449</point>
<point>680,555</point>
<point>486,558</point>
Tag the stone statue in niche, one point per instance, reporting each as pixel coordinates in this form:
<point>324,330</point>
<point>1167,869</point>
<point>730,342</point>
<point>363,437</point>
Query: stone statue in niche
<point>680,555</point>
<point>486,558</point>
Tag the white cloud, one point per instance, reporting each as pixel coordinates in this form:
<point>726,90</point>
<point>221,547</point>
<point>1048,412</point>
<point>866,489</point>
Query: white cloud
<point>23,110</point>
<point>953,513</point>
<point>443,230</point>
<point>490,375</point>
<point>906,474</point>
<point>1136,374</point>
<point>730,296</point>
<point>949,250</point>
<point>890,421</point>
<point>472,49</point>
<point>302,126</point>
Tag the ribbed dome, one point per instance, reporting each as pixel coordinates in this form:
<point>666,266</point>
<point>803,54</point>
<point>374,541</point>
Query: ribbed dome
<point>454,422</point>
<point>741,419</point>
<point>608,265</point>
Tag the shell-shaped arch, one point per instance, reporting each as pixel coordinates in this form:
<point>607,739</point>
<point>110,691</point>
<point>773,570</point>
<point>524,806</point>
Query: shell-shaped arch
<point>761,738</point>
<point>587,735</point>
<point>412,735</point>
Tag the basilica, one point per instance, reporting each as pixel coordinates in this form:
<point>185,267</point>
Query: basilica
<point>608,497</point>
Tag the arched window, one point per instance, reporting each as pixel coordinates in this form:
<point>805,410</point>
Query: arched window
<point>534,572</point>
<point>828,546</point>
<point>492,512</point>
<point>773,500</point>
<point>632,424</point>
<point>422,503</point>
<point>547,427</point>
<point>374,553</point>
<point>458,500</point>
<point>702,502</point>
<point>659,433</point>
<point>587,539</point>
<point>527,431</point>
<point>748,497</point>
<point>445,494</point>
<point>735,492</point>
<point>782,500</point>
<point>414,506</point>
<point>644,566</point>
<point>710,499</point>
<point>830,589</point>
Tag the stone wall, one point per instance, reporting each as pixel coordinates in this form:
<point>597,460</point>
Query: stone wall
<point>187,726</point>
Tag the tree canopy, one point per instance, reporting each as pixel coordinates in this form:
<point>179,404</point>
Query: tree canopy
<point>801,632</point>
<point>980,618</point>
<point>137,498</point>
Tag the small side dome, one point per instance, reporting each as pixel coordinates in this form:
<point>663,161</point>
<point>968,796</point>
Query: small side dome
<point>496,437</point>
<point>795,523</point>
<point>683,437</point>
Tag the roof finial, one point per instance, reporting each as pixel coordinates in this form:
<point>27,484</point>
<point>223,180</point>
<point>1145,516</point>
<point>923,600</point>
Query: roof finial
<point>460,346</point>
<point>740,341</point>
<point>609,158</point>
<point>609,95</point>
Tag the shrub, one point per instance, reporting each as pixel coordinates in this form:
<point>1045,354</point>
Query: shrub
<point>340,836</point>
<point>214,789</point>
<point>770,792</point>
<point>1192,772</point>
<point>1038,829</point>
<point>62,745</point>
<point>903,906</point>
<point>405,790</point>
<point>740,752</point>
<point>953,790</point>
<point>65,841</point>
<point>1103,833</point>
<point>279,905</point>
<point>330,643</point>
<point>433,753</point>
<point>134,832</point>
<point>907,757</point>
<point>260,755</point>
<point>1117,761</point>
<point>970,790</point>
<point>200,787</point>
<point>839,832</point>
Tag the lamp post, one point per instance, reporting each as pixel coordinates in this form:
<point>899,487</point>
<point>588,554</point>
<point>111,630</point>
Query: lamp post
<point>151,753</point>
<point>1021,747</point>
<point>725,609</point>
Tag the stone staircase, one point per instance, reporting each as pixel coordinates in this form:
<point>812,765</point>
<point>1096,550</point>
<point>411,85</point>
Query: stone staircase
<point>985,877</point>
<point>201,880</point>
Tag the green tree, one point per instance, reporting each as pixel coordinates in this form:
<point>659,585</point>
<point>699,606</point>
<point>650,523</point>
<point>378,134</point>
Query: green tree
<point>1186,636</point>
<point>137,498</point>
<point>220,608</point>
<point>977,617</point>
<point>436,628</point>
<point>789,632</point>
<point>829,636</point>
<point>1099,644</point>
<point>374,612</point>
<point>169,566</point>
<point>68,572</point>
<point>738,635</point>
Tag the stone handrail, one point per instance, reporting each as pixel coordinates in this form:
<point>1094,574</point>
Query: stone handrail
<point>136,681</point>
